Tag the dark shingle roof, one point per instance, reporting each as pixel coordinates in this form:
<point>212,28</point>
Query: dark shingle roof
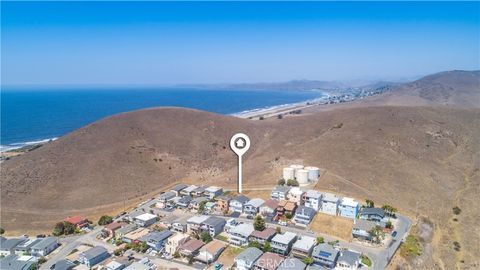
<point>47,241</point>
<point>373,211</point>
<point>250,254</point>
<point>214,221</point>
<point>94,252</point>
<point>179,187</point>
<point>241,198</point>
<point>11,243</point>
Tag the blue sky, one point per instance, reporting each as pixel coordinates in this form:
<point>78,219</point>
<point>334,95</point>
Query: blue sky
<point>125,43</point>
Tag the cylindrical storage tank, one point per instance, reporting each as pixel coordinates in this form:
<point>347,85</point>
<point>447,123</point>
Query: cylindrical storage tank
<point>302,176</point>
<point>288,173</point>
<point>296,167</point>
<point>313,173</point>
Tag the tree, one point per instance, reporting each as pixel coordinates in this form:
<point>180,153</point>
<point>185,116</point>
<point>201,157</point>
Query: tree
<point>118,242</point>
<point>104,220</point>
<point>255,244</point>
<point>117,252</point>
<point>288,215</point>
<point>259,223</point>
<point>389,225</point>
<point>278,229</point>
<point>267,247</point>
<point>42,260</point>
<point>58,229</point>
<point>281,182</point>
<point>201,206</point>
<point>369,203</point>
<point>308,260</point>
<point>376,234</point>
<point>2,231</point>
<point>69,228</point>
<point>205,237</point>
<point>320,240</point>
<point>292,183</point>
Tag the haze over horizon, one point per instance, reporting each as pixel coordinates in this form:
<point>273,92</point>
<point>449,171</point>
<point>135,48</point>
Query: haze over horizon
<point>159,43</point>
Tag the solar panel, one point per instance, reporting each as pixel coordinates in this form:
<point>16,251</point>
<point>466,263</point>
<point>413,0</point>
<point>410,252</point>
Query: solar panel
<point>325,254</point>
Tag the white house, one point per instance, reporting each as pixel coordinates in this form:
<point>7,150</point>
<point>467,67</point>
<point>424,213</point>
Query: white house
<point>348,260</point>
<point>313,199</point>
<point>145,220</point>
<point>295,195</point>
<point>236,204</point>
<point>213,191</point>
<point>44,247</point>
<point>239,234</point>
<point>252,207</point>
<point>210,251</point>
<point>330,204</point>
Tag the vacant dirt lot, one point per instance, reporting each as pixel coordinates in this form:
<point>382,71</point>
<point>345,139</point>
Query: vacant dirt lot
<point>331,225</point>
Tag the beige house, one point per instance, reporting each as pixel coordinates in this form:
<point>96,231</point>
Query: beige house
<point>174,242</point>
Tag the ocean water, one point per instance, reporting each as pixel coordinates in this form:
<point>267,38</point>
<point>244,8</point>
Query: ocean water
<point>35,115</point>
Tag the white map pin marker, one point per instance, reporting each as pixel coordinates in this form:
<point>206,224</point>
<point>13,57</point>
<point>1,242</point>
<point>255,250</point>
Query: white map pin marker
<point>239,144</point>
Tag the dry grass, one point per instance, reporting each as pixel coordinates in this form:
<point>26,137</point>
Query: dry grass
<point>228,256</point>
<point>262,194</point>
<point>333,225</point>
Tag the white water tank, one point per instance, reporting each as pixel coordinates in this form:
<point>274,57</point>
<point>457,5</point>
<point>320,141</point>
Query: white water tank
<point>313,173</point>
<point>288,173</point>
<point>296,167</point>
<point>302,176</point>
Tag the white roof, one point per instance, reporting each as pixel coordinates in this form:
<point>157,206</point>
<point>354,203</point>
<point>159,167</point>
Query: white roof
<point>190,188</point>
<point>244,229</point>
<point>213,189</point>
<point>284,238</point>
<point>114,265</point>
<point>296,191</point>
<point>349,202</point>
<point>304,243</point>
<point>197,219</point>
<point>329,197</point>
<point>257,202</point>
<point>146,217</point>
<point>313,193</point>
<point>137,266</point>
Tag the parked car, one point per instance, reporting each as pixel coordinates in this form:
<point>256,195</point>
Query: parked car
<point>394,233</point>
<point>282,222</point>
<point>218,266</point>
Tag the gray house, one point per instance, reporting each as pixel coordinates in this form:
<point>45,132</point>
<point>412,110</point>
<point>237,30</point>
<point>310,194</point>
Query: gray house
<point>280,193</point>
<point>361,229</point>
<point>236,204</point>
<point>7,247</point>
<point>325,255</point>
<point>184,202</point>
<point>282,243</point>
<point>247,258</point>
<point>252,207</point>
<point>348,260</point>
<point>157,240</point>
<point>304,215</point>
<point>93,256</point>
<point>213,225</point>
<point>12,262</point>
<point>372,214</point>
<point>44,247</point>
<point>178,188</point>
<point>292,264</point>
<point>26,246</point>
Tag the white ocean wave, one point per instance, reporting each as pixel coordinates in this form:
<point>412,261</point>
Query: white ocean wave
<point>13,146</point>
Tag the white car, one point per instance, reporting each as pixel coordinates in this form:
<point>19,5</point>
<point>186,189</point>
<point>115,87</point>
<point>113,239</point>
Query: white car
<point>282,222</point>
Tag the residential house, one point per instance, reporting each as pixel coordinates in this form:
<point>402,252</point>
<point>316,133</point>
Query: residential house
<point>213,225</point>
<point>25,246</point>
<point>325,255</point>
<point>292,264</point>
<point>268,208</point>
<point>78,221</point>
<point>222,204</point>
<point>282,243</point>
<point>141,266</point>
<point>93,256</point>
<point>348,208</point>
<point>285,207</point>
<point>195,203</point>
<point>213,191</point>
<point>313,199</point>
<point>304,215</point>
<point>236,204</point>
<point>268,261</point>
<point>109,229</point>
<point>178,188</point>
<point>295,195</point>
<point>279,193</point>
<point>135,235</point>
<point>145,220</point>
<point>174,242</point>
<point>127,228</point>
<point>303,247</point>
<point>63,265</point>
<point>372,214</point>
<point>210,252</point>
<point>194,224</point>
<point>184,202</point>
<point>252,207</point>
<point>348,260</point>
<point>209,207</point>
<point>190,248</point>
<point>114,265</point>
<point>188,190</point>
<point>239,234</point>
<point>330,204</point>
<point>361,228</point>
<point>44,247</point>
<point>179,227</point>
<point>262,236</point>
<point>15,262</point>
<point>230,224</point>
<point>246,259</point>
<point>7,247</point>
<point>165,198</point>
<point>156,240</point>
<point>198,191</point>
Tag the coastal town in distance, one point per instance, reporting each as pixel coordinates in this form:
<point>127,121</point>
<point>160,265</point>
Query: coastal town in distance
<point>209,227</point>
